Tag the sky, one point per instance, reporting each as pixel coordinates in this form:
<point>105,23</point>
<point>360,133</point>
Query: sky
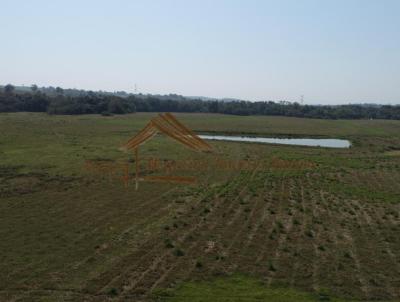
<point>330,51</point>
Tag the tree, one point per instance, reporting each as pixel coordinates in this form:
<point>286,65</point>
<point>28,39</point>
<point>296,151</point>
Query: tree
<point>59,90</point>
<point>9,89</point>
<point>34,88</point>
<point>116,106</point>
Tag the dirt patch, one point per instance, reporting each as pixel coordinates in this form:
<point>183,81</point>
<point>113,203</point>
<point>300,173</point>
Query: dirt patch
<point>393,153</point>
<point>14,183</point>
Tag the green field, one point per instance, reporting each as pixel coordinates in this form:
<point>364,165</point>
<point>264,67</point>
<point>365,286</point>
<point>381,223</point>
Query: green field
<point>325,232</point>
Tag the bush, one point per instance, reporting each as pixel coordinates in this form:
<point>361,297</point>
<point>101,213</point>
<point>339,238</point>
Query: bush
<point>168,243</point>
<point>271,267</point>
<point>113,292</point>
<point>178,253</point>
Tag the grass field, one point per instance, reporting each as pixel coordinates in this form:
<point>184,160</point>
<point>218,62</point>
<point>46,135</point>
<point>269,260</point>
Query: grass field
<point>325,232</point>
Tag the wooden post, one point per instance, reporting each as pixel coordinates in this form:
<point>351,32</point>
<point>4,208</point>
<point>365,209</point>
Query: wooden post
<point>137,167</point>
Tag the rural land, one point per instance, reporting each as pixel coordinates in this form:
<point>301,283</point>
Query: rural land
<point>200,151</point>
<point>306,224</point>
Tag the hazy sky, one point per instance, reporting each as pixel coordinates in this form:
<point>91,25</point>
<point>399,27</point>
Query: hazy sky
<point>329,51</point>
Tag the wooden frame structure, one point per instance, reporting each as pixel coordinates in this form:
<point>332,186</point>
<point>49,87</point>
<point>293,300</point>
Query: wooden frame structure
<point>167,124</point>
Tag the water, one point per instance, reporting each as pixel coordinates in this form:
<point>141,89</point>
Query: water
<point>313,142</point>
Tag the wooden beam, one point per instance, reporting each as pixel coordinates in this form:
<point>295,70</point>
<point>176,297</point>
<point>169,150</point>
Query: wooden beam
<point>173,179</point>
<point>137,168</point>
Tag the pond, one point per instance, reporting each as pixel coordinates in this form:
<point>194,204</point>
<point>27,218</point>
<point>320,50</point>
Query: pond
<point>313,142</point>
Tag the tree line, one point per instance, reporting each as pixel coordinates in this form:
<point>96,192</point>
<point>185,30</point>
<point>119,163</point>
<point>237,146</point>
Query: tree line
<point>89,102</point>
